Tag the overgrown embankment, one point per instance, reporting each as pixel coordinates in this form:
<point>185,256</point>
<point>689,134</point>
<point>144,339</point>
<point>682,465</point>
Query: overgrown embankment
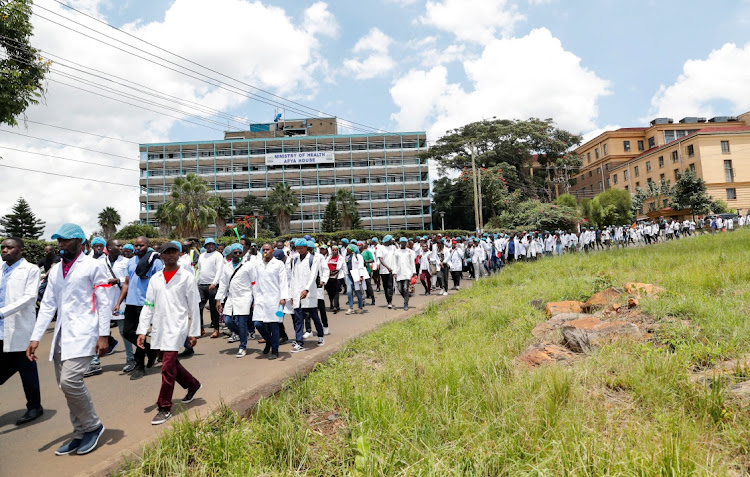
<point>443,393</point>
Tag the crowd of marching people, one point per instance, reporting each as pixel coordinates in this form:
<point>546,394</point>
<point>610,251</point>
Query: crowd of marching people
<point>156,297</point>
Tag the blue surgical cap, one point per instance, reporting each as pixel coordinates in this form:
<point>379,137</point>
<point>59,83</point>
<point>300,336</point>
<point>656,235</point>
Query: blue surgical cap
<point>179,245</point>
<point>128,246</point>
<point>346,241</point>
<point>387,238</point>
<point>310,243</point>
<point>403,239</point>
<point>375,239</point>
<point>98,241</point>
<point>208,241</point>
<point>69,231</point>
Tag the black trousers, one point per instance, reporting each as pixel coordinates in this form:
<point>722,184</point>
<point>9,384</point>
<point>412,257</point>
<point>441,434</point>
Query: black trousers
<point>333,287</point>
<point>456,275</point>
<point>17,362</point>
<point>132,316</point>
<point>370,291</point>
<point>210,297</point>
<point>321,312</point>
<point>387,280</point>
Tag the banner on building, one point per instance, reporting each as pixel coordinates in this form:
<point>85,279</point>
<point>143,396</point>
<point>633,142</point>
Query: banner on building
<point>296,158</point>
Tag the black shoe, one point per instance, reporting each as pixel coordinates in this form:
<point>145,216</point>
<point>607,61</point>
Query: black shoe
<point>152,355</point>
<point>191,395</point>
<point>187,352</point>
<point>137,373</point>
<point>274,356</point>
<point>284,340</point>
<point>30,415</point>
<point>267,349</point>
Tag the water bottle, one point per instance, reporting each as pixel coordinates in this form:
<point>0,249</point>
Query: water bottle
<point>280,312</point>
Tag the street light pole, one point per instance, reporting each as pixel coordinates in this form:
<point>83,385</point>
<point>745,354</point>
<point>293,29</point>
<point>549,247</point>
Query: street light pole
<point>476,194</point>
<point>255,214</point>
<point>442,220</point>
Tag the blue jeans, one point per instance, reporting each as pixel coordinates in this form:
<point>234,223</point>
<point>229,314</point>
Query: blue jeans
<point>350,292</point>
<point>239,324</point>
<point>270,333</point>
<point>128,345</point>
<point>299,323</point>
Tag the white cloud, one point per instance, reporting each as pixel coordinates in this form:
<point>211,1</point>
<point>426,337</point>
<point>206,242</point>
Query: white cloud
<point>477,21</point>
<point>258,44</point>
<point>375,45</point>
<point>722,76</point>
<point>518,78</point>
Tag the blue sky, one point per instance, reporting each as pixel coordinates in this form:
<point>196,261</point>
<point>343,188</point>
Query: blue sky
<point>391,64</point>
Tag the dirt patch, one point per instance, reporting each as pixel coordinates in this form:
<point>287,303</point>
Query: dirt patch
<point>326,423</point>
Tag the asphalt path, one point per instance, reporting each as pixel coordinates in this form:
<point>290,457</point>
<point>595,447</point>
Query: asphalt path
<point>126,407</point>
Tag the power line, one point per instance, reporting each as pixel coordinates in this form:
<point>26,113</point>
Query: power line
<point>70,177</point>
<point>68,145</point>
<point>254,97</point>
<point>68,159</point>
<point>81,132</point>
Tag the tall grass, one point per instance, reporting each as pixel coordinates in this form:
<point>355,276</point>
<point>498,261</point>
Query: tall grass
<point>441,393</point>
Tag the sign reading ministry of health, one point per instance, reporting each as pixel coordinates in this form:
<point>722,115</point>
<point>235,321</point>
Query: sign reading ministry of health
<point>293,158</point>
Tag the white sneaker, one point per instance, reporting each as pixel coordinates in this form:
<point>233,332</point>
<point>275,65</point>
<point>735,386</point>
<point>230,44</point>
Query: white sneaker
<point>458,288</point>
<point>240,354</point>
<point>307,335</point>
<point>326,331</point>
<point>233,338</point>
<point>296,348</point>
<point>349,311</point>
<point>390,307</point>
<point>321,341</point>
<point>445,293</point>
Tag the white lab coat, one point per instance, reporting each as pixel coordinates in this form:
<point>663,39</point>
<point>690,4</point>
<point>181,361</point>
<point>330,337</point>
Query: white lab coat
<point>271,286</point>
<point>324,273</point>
<point>120,271</point>
<point>455,260</point>
<point>81,301</point>
<point>302,273</point>
<point>238,291</point>
<point>19,310</point>
<point>171,309</point>
<point>386,256</point>
<point>405,264</point>
<point>186,263</point>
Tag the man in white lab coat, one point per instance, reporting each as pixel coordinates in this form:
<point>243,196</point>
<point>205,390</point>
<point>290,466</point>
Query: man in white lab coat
<point>235,296</point>
<point>19,282</point>
<point>271,290</point>
<point>77,292</point>
<point>171,311</point>
<point>405,268</point>
<point>386,261</point>
<point>303,272</point>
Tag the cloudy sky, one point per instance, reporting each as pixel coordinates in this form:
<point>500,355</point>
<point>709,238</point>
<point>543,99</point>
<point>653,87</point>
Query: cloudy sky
<point>400,65</point>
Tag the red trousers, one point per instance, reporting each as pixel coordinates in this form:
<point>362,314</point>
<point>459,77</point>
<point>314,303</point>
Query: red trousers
<point>171,371</point>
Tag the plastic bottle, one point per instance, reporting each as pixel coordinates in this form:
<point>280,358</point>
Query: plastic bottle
<point>280,312</point>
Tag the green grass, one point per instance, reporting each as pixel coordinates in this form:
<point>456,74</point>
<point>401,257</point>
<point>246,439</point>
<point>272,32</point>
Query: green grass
<point>441,394</point>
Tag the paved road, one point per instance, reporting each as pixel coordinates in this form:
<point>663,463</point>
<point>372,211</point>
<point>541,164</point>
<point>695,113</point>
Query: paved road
<point>126,407</point>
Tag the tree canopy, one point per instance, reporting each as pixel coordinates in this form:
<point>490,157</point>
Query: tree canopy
<point>189,206</point>
<point>283,203</point>
<point>23,69</point>
<point>21,222</point>
<point>109,219</point>
<point>689,192</point>
<point>331,218</point>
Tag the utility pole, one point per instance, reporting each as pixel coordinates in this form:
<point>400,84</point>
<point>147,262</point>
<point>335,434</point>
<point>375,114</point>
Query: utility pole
<point>476,195</point>
<point>442,220</point>
<point>479,191</point>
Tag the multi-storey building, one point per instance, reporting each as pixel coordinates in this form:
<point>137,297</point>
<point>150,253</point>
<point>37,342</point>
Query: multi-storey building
<point>629,158</point>
<point>384,172</point>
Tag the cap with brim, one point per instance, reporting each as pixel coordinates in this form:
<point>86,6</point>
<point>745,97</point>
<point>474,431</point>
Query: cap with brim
<point>170,245</point>
<point>69,231</point>
<point>209,240</point>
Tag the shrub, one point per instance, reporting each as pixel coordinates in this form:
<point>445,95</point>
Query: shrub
<point>133,231</point>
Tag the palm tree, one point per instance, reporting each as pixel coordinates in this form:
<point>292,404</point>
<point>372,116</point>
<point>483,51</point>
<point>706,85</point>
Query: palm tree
<point>109,219</point>
<point>347,206</point>
<point>283,203</point>
<point>189,205</point>
<point>166,219</point>
<point>223,210</point>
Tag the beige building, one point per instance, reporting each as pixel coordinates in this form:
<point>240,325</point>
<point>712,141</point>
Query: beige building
<point>718,150</point>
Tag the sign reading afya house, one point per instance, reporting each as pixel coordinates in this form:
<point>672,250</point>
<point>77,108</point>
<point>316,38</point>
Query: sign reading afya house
<point>295,158</point>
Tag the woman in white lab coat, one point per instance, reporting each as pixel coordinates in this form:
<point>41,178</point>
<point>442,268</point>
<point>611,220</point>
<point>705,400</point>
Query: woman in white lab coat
<point>271,290</point>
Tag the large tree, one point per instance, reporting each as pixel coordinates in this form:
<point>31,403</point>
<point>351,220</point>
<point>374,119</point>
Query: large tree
<point>347,207</point>
<point>23,68</point>
<point>283,203</point>
<point>331,218</point>
<point>166,218</point>
<point>223,211</point>
<point>21,222</point>
<point>252,208</point>
<point>109,219</point>
<point>689,192</point>
<point>189,205</point>
<point>613,207</point>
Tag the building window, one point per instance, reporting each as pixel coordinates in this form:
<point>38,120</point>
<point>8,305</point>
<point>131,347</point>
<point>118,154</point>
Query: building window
<point>661,177</point>
<point>640,146</point>
<point>661,162</point>
<point>588,157</point>
<point>690,150</point>
<point>664,203</point>
<point>676,174</point>
<point>637,173</point>
<point>583,176</point>
<point>598,170</point>
<point>675,156</point>
<point>649,181</point>
<point>600,185</point>
<point>728,172</point>
<point>732,194</point>
<point>609,184</point>
<point>614,178</point>
<point>648,166</point>
<point>637,185</point>
<point>651,143</point>
<point>606,166</point>
<point>625,175</point>
<point>626,146</point>
<point>591,173</point>
<point>725,147</point>
<point>605,149</point>
<point>596,153</point>
<point>627,188</point>
<point>692,167</point>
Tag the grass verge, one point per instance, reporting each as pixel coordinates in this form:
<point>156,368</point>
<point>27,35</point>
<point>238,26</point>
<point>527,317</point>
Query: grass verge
<point>442,394</point>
